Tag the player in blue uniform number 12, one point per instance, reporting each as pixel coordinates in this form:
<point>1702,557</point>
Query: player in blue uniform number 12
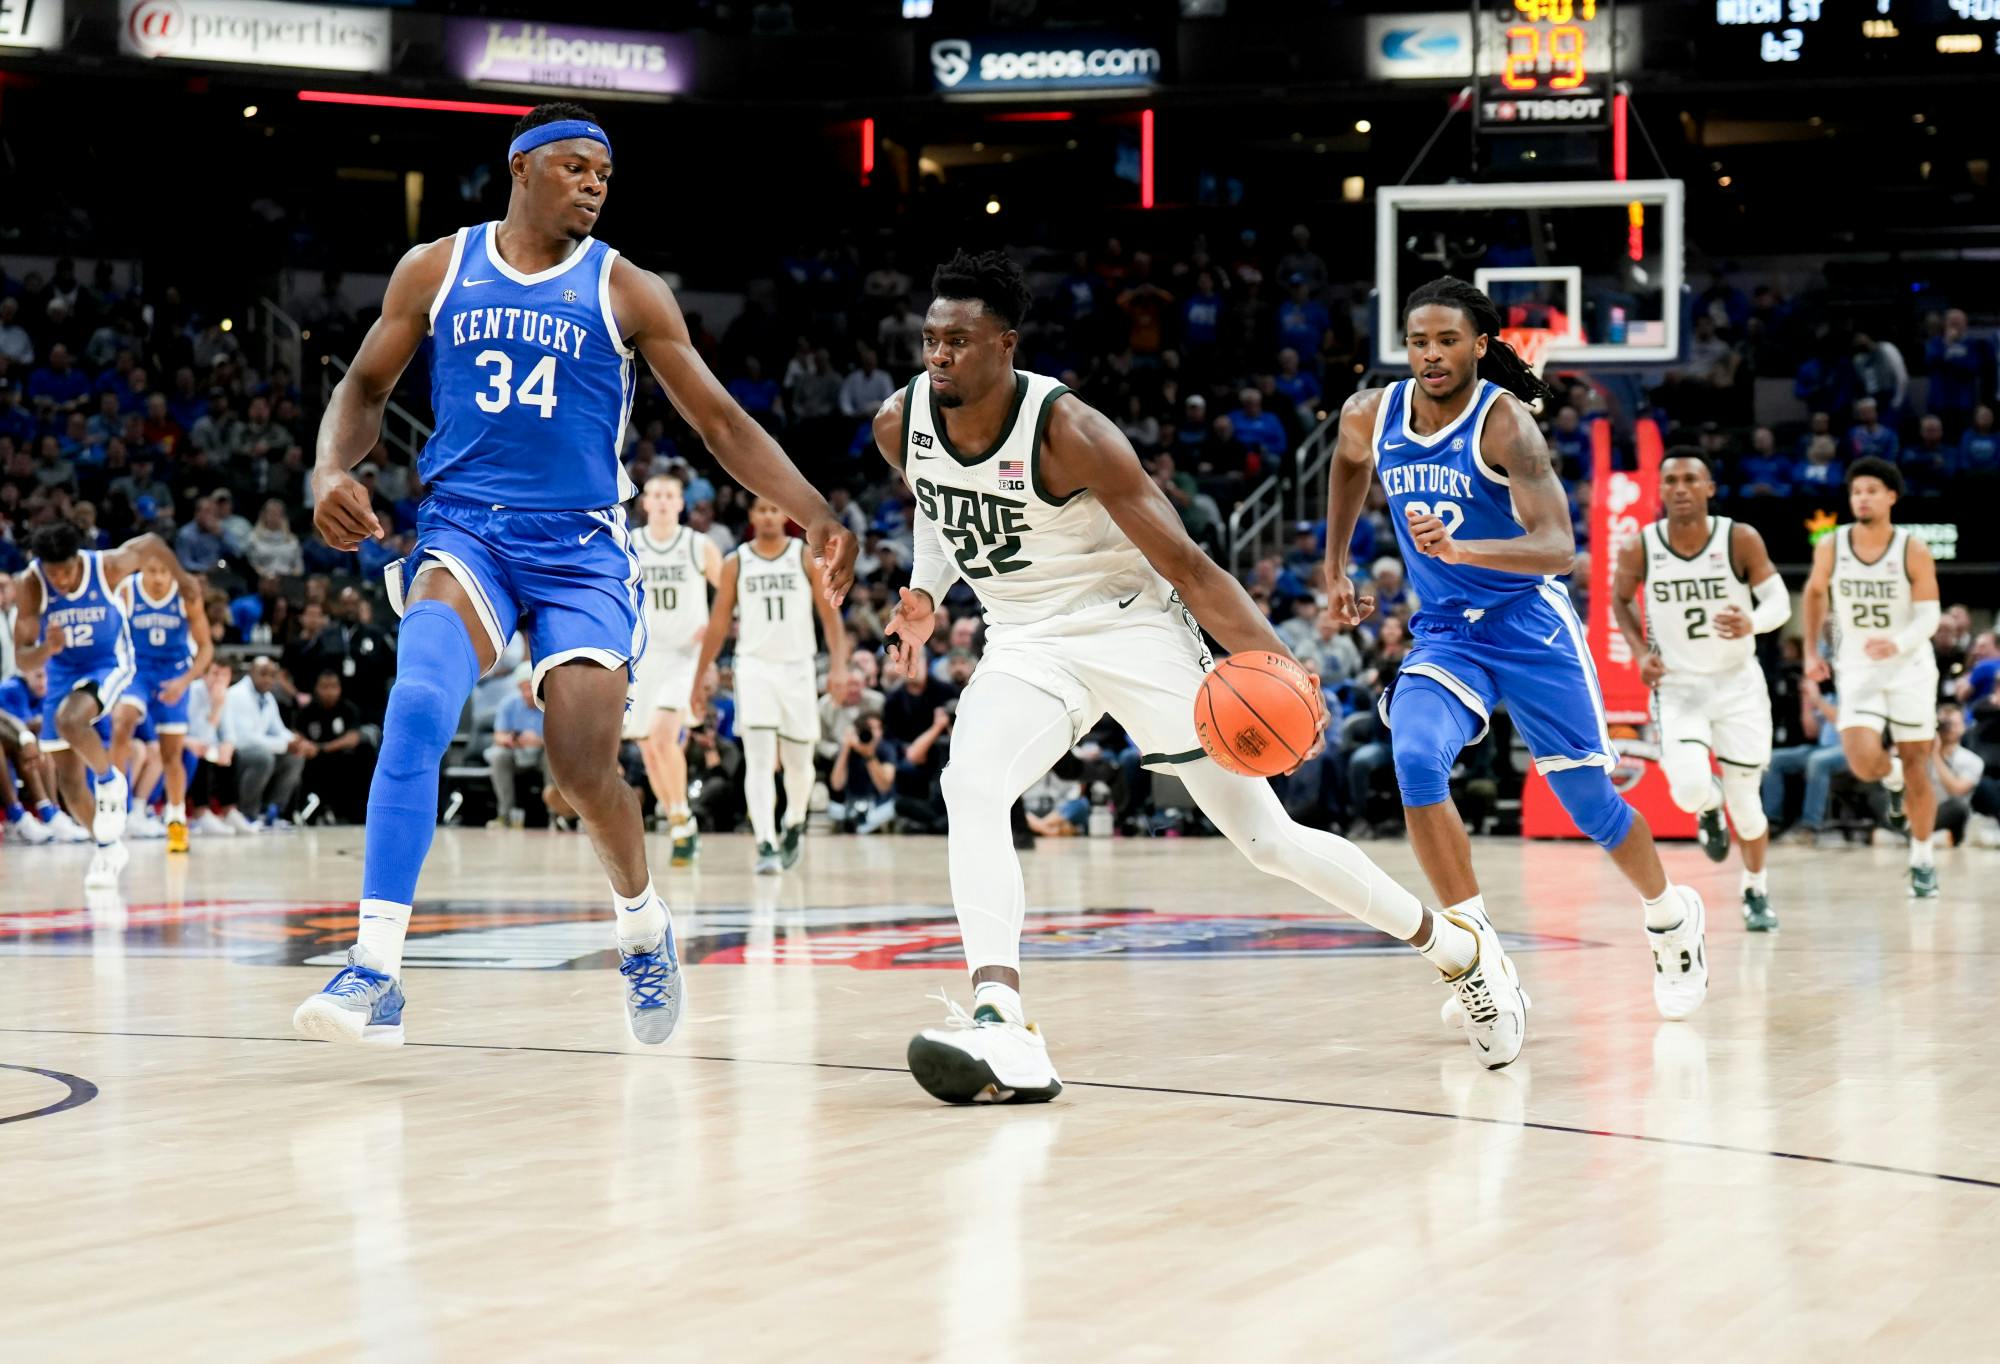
<point>532,329</point>
<point>1485,532</point>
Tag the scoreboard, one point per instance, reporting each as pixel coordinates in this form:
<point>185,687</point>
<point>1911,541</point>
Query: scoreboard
<point>1853,37</point>
<point>1545,64</point>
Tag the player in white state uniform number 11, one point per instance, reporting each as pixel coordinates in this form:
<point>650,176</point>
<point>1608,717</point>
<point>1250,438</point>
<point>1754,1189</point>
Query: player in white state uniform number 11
<point>1710,590</point>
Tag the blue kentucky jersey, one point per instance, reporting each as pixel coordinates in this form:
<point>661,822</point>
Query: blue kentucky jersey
<point>1443,474</point>
<point>531,383</point>
<point>96,638</point>
<point>160,637</point>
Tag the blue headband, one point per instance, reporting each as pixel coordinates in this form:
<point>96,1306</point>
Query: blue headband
<point>560,131</point>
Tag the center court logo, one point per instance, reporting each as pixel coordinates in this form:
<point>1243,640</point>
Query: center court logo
<point>518,935</point>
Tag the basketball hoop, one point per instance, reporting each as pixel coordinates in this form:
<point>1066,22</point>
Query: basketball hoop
<point>1532,345</point>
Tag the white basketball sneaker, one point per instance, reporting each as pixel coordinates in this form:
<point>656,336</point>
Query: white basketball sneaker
<point>362,1003</point>
<point>145,826</point>
<point>29,829</point>
<point>108,824</point>
<point>981,1056</point>
<point>107,864</point>
<point>211,825</point>
<point>68,830</point>
<point>1491,1006</point>
<point>1680,960</point>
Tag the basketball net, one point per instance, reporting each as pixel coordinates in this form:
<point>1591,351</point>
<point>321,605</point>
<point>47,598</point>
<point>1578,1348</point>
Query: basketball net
<point>1532,345</point>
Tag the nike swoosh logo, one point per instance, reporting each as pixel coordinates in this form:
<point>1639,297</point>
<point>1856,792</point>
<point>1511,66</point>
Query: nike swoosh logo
<point>474,283</point>
<point>1394,444</point>
<point>922,454</point>
<point>584,540</point>
<point>1128,601</point>
<point>1552,638</point>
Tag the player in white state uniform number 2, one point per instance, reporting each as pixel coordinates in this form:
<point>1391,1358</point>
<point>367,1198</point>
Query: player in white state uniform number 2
<point>1710,590</point>
<point>1881,583</point>
<point>1091,589</point>
<point>677,566</point>
<point>772,587</point>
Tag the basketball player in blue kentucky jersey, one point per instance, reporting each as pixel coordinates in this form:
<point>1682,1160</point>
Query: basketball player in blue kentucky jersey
<point>1484,527</point>
<point>172,647</point>
<point>533,329</point>
<point>72,620</point>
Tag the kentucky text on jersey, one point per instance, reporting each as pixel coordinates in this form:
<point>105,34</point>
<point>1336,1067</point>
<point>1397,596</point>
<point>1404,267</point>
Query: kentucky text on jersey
<point>159,629</point>
<point>531,382</point>
<point>1443,475</point>
<point>498,324</point>
<point>1426,478</point>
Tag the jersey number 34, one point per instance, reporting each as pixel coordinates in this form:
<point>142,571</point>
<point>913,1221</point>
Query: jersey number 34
<point>538,390</point>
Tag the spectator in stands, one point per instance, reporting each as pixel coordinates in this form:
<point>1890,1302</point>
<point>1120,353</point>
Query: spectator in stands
<point>159,429</point>
<point>1145,305</point>
<point>1930,461</point>
<point>866,386</point>
<point>1821,472</point>
<point>15,343</point>
<point>1869,437</point>
<point>1301,632</point>
<point>60,381</point>
<point>186,404</point>
<point>1303,321</point>
<point>1979,448</point>
<point>256,437</point>
<point>1957,771</point>
<point>1201,327</point>
<point>758,395</point>
<point>1817,760</point>
<point>84,515</point>
<point>815,394</point>
<point>1298,388</point>
<point>861,784</point>
<point>17,420</point>
<point>218,430</point>
<point>1880,373</point>
<point>1959,365</point>
<point>271,546</point>
<point>1303,264</point>
<point>899,336</point>
<point>360,652</point>
<point>52,467</point>
<point>342,758</point>
<point>1138,425</point>
<point>1260,431</point>
<point>1391,593</point>
<point>1765,473</point>
<point>200,545</point>
<point>269,757</point>
<point>1332,652</point>
<point>139,482</point>
<point>516,747</point>
<point>838,711</point>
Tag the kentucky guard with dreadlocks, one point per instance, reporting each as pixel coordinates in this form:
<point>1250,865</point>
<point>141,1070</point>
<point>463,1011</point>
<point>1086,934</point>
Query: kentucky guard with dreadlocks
<point>1485,531</point>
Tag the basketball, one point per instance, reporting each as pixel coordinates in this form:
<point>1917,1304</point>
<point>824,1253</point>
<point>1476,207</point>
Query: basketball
<point>1256,715</point>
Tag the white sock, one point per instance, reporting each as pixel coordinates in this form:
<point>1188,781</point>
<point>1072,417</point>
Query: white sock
<point>760,786</point>
<point>798,761</point>
<point>177,812</point>
<point>1665,912</point>
<point>1756,880</point>
<point>1920,853</point>
<point>1894,781</point>
<point>1005,998</point>
<point>1452,949</point>
<point>642,918</point>
<point>384,924</point>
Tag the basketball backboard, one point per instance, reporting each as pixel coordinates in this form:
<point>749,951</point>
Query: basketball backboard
<point>1597,261</point>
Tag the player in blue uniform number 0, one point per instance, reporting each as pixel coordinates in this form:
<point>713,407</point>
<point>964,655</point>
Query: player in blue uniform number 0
<point>1485,531</point>
<point>533,329</point>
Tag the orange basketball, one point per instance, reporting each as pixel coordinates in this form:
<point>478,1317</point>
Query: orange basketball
<point>1256,714</point>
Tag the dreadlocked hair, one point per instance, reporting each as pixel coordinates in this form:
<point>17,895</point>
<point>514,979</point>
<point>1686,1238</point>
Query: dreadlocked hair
<point>1500,363</point>
<point>992,277</point>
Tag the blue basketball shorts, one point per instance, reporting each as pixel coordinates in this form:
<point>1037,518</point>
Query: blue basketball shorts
<point>1530,655</point>
<point>107,682</point>
<point>568,579</point>
<point>157,715</point>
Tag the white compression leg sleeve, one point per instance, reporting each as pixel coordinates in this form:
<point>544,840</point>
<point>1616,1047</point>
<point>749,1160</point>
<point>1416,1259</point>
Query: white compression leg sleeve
<point>1250,816</point>
<point>760,787</point>
<point>1743,794</point>
<point>798,759</point>
<point>1007,736</point>
<point>1689,779</point>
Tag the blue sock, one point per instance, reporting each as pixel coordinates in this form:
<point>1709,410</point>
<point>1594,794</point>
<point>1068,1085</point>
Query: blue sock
<point>15,814</point>
<point>435,670</point>
<point>47,810</point>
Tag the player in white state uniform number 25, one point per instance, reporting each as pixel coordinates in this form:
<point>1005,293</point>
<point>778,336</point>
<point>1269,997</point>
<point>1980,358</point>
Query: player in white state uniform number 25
<point>677,566</point>
<point>1881,583</point>
<point>1091,589</point>
<point>1710,590</point>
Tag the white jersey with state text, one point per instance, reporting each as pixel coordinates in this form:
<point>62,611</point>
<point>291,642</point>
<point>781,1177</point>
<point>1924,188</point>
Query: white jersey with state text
<point>676,588</point>
<point>774,605</point>
<point>1685,594</point>
<point>1872,599</point>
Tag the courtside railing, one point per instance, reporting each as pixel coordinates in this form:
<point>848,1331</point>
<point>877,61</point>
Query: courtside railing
<point>402,429</point>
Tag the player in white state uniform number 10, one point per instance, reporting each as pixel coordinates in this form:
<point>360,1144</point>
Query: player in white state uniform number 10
<point>1710,590</point>
<point>677,566</point>
<point>1882,585</point>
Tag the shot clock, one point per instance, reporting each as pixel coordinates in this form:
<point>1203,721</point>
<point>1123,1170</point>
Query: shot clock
<point>1544,64</point>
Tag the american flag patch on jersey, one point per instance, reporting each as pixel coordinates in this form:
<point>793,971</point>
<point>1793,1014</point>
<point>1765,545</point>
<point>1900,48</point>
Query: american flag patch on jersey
<point>1013,475</point>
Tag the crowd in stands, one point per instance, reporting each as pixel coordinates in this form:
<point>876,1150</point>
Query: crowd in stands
<point>125,413</point>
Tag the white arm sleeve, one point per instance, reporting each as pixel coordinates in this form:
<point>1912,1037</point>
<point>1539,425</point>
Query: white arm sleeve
<point>1924,618</point>
<point>932,568</point>
<point>1773,605</point>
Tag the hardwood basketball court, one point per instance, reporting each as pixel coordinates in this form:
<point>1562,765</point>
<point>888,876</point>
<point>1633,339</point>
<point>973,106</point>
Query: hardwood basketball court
<point>1269,1147</point>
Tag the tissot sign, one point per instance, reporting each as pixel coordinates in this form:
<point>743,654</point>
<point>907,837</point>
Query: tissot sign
<point>256,33</point>
<point>1030,64</point>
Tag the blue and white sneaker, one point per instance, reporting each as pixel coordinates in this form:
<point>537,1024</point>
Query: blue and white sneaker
<point>654,987</point>
<point>360,1004</point>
